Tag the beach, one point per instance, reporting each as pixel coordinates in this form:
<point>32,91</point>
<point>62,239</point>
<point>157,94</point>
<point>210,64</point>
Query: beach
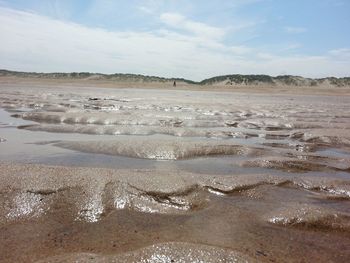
<point>152,173</point>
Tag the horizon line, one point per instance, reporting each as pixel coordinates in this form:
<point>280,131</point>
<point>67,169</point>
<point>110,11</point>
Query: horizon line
<point>170,78</point>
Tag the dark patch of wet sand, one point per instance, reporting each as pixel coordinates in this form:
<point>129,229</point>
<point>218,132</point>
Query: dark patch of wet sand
<point>60,215</point>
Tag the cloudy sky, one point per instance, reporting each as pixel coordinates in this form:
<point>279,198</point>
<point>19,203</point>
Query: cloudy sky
<point>194,39</point>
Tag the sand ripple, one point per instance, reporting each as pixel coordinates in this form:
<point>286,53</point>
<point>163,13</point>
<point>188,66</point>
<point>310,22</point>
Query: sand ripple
<point>159,253</point>
<point>159,149</point>
<point>310,216</point>
<point>141,190</point>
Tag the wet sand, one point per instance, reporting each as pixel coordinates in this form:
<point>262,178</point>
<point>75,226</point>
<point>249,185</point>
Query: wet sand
<point>132,175</point>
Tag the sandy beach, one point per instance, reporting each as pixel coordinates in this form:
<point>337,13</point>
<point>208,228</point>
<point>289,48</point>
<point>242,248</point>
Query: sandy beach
<point>105,172</point>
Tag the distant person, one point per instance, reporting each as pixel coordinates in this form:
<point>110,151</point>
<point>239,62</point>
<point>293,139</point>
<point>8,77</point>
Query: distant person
<point>174,85</point>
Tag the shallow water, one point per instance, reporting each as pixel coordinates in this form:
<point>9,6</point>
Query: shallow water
<point>252,174</point>
<point>39,147</point>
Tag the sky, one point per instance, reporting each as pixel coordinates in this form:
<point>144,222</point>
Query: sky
<point>193,39</point>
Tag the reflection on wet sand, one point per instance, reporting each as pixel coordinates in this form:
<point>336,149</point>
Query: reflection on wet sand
<point>194,176</point>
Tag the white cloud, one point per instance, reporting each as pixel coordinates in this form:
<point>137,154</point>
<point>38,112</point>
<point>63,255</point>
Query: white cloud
<point>240,50</point>
<point>199,29</point>
<point>101,9</point>
<point>295,30</point>
<point>150,6</point>
<point>292,46</point>
<point>340,53</point>
<point>31,42</point>
<point>146,9</point>
<point>265,56</point>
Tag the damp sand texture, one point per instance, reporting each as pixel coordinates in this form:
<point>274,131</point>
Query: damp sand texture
<point>132,175</point>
